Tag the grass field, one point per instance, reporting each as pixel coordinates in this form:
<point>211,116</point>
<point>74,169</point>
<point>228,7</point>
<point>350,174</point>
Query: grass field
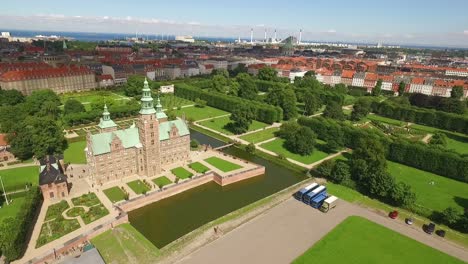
<point>115,194</point>
<point>124,244</point>
<point>11,210</point>
<point>277,147</point>
<point>261,135</point>
<point>181,173</point>
<point>222,165</point>
<point>358,240</point>
<point>198,167</point>
<point>197,113</point>
<point>219,124</point>
<point>138,186</point>
<point>171,101</point>
<point>444,193</point>
<point>17,178</point>
<point>91,97</point>
<point>162,181</point>
<point>75,153</point>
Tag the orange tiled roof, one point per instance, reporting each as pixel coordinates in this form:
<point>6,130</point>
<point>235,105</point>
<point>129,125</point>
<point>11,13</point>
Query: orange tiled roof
<point>347,74</point>
<point>19,75</point>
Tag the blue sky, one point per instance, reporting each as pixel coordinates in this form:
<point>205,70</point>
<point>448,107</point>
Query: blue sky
<point>392,21</point>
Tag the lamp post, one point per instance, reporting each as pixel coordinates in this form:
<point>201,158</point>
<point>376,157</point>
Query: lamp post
<point>4,192</point>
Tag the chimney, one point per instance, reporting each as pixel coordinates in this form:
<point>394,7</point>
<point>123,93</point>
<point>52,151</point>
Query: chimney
<point>300,37</point>
<point>265,36</point>
<point>274,39</point>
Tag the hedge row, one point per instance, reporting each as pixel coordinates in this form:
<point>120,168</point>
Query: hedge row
<point>418,155</point>
<point>439,119</point>
<point>264,112</point>
<point>14,231</point>
<point>93,116</point>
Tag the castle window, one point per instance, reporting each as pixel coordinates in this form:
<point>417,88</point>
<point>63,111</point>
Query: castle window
<point>152,142</point>
<point>152,134</point>
<point>151,125</point>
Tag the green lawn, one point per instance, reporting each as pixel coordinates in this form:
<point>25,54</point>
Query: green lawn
<point>90,97</point>
<point>11,210</point>
<point>261,135</point>
<point>358,240</point>
<point>277,147</point>
<point>386,120</point>
<point>222,165</point>
<point>115,194</point>
<point>219,124</point>
<point>170,100</point>
<point>138,187</point>
<point>17,178</point>
<point>181,173</point>
<point>124,244</point>
<point>75,153</point>
<point>162,181</point>
<point>457,143</point>
<point>444,193</point>
<point>197,113</point>
<point>198,167</point>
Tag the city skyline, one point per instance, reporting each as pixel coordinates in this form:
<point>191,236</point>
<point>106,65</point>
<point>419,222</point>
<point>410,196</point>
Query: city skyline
<point>419,23</point>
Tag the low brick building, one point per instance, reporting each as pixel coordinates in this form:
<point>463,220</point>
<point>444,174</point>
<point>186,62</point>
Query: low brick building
<point>53,184</point>
<point>5,154</point>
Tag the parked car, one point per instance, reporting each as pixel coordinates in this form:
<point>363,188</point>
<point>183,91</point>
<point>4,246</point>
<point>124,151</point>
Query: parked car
<point>430,228</point>
<point>440,233</point>
<point>393,215</point>
<point>409,221</point>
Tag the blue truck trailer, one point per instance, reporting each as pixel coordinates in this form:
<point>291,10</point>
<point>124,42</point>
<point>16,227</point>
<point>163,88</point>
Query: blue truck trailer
<point>300,194</point>
<point>318,200</point>
<point>307,199</point>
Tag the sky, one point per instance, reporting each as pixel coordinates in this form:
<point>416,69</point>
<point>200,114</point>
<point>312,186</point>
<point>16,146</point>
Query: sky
<point>429,22</point>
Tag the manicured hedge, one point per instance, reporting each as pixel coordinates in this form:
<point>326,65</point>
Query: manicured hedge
<point>93,116</point>
<point>264,112</point>
<point>14,231</point>
<point>439,119</point>
<point>418,155</point>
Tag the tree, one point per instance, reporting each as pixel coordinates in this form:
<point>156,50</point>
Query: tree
<point>457,92</point>
<point>361,109</point>
<point>381,184</point>
<point>200,103</point>
<point>267,74</point>
<point>368,160</point>
<point>450,216</point>
<point>309,74</point>
<point>34,103</point>
<point>21,144</point>
<point>73,106</point>
<point>239,69</point>
<point>134,85</point>
<point>341,88</point>
<point>333,110</point>
<point>401,88</point>
<point>241,118</point>
<point>287,129</point>
<point>247,87</point>
<point>378,88</point>
<point>402,195</point>
<point>221,72</point>
<point>219,83</point>
<point>325,168</point>
<point>311,103</point>
<point>284,98</point>
<point>439,139</point>
<point>194,144</point>
<point>340,172</point>
<point>301,142</point>
<point>250,148</point>
<point>11,97</point>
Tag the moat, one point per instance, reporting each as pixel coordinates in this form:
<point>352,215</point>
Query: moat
<point>165,221</point>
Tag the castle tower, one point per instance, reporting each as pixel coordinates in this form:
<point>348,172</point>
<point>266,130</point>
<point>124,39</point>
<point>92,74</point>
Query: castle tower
<point>148,126</point>
<point>160,115</point>
<point>106,124</point>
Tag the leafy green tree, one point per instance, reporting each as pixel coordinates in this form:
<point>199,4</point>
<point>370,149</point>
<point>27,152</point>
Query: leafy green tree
<point>134,85</point>
<point>287,129</point>
<point>450,216</point>
<point>221,72</point>
<point>35,102</point>
<point>250,148</point>
<point>311,103</point>
<point>11,116</point>
<point>267,74</point>
<point>457,92</point>
<point>361,109</point>
<point>73,106</point>
<point>401,88</point>
<point>341,88</point>
<point>402,195</point>
<point>325,168</point>
<point>21,144</point>
<point>333,110</point>
<point>368,160</point>
<point>377,89</point>
<point>284,98</point>
<point>200,103</point>
<point>439,139</point>
<point>340,172</point>
<point>381,184</point>
<point>247,87</point>
<point>194,144</point>
<point>241,118</point>
<point>219,83</point>
<point>11,97</point>
<point>301,142</point>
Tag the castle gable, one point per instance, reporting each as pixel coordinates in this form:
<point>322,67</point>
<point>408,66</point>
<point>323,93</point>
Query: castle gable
<point>101,143</point>
<point>165,129</point>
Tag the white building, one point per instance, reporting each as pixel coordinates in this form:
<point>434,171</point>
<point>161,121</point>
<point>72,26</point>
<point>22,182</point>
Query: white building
<point>166,89</point>
<point>358,79</point>
<point>457,72</point>
<point>187,39</point>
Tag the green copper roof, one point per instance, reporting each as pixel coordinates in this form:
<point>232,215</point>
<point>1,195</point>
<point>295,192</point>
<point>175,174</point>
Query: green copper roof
<point>106,121</point>
<point>147,107</point>
<point>101,143</point>
<point>159,111</point>
<point>165,129</point>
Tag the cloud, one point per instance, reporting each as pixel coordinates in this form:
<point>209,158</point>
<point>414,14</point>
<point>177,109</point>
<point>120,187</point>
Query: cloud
<point>332,31</point>
<point>465,32</point>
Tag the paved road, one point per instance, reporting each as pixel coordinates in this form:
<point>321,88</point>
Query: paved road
<point>286,231</point>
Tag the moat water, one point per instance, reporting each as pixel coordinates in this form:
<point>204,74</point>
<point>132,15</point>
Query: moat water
<point>167,220</point>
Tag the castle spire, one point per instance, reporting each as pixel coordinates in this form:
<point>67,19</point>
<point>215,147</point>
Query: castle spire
<point>147,107</point>
<point>105,114</point>
<point>158,105</point>
<point>106,122</point>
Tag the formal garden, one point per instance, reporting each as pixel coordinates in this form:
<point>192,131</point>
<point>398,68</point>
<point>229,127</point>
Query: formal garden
<point>181,173</point>
<point>162,181</point>
<point>115,194</point>
<point>222,165</point>
<point>198,167</point>
<point>139,187</point>
<point>358,240</point>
